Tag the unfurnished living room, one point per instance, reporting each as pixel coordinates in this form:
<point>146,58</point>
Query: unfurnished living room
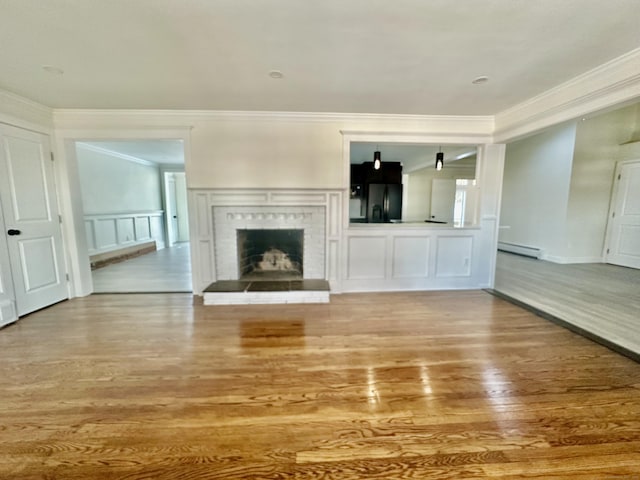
<point>319,240</point>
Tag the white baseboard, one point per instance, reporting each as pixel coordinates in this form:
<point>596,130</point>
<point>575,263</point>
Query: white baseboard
<point>567,260</point>
<point>524,250</point>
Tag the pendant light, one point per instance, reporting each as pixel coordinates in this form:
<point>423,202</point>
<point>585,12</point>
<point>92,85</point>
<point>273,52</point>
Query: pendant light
<point>377,162</point>
<point>439,160</point>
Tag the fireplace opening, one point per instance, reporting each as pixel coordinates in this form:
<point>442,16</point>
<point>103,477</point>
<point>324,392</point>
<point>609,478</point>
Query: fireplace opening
<point>270,254</point>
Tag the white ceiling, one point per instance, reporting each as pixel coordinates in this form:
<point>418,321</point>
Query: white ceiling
<point>355,56</point>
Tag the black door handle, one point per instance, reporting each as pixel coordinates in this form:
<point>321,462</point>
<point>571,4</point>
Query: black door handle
<point>13,232</point>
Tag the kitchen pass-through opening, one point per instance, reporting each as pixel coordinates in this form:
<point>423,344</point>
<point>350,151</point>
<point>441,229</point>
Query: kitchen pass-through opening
<point>270,254</point>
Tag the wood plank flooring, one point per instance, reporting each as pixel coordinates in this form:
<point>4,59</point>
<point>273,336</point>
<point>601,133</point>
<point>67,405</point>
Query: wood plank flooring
<point>599,298</point>
<point>420,385</point>
<point>165,270</point>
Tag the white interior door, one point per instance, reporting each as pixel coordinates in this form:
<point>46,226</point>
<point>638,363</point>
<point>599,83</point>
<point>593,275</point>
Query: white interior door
<point>171,208</point>
<point>31,221</point>
<point>181,207</point>
<point>623,245</point>
<point>443,196</point>
<point>8,312</point>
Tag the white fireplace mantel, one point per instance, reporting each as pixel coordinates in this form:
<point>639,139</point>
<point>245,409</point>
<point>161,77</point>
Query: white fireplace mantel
<point>281,208</point>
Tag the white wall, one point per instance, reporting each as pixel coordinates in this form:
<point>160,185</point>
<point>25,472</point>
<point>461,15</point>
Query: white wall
<point>597,149</point>
<point>265,153</point>
<point>535,191</point>
<point>111,184</point>
<point>418,188</point>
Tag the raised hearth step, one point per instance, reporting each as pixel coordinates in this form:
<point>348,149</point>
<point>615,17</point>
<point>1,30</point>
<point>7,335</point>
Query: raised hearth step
<point>267,286</point>
<point>238,292</point>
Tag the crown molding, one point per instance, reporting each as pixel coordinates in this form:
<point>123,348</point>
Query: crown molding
<point>75,118</point>
<point>111,153</point>
<point>610,84</point>
<point>20,111</point>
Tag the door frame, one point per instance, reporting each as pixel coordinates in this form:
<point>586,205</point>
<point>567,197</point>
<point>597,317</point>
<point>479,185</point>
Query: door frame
<point>612,205</point>
<point>70,195</point>
<point>164,170</point>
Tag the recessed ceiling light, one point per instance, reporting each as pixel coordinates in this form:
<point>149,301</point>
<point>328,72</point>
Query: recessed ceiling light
<point>276,74</point>
<point>52,69</point>
<point>480,80</point>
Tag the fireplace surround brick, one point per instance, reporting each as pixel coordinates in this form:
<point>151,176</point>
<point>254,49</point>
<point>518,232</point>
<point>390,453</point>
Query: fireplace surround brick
<point>228,219</point>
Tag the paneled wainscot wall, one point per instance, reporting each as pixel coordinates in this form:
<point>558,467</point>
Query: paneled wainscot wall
<point>363,257</point>
<point>109,232</point>
<point>411,257</point>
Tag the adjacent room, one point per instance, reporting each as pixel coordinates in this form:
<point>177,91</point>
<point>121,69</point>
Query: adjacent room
<point>134,200</point>
<point>570,225</point>
<point>319,240</point>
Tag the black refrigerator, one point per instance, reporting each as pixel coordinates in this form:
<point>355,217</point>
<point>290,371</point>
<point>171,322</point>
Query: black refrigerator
<point>384,202</point>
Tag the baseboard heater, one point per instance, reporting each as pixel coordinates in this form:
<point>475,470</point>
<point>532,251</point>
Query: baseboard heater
<point>524,250</point>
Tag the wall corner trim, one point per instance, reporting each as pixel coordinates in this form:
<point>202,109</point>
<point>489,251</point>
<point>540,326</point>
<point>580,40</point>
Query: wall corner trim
<point>608,85</point>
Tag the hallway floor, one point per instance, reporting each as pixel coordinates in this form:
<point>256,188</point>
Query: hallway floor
<point>166,270</point>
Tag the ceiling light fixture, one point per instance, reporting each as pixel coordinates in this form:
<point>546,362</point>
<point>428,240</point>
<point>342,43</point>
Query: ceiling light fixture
<point>377,161</point>
<point>439,160</point>
<point>277,74</point>
<point>52,69</point>
<point>480,80</point>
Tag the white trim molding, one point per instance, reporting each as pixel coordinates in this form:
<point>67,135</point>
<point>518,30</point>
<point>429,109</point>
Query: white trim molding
<point>122,156</point>
<point>22,112</point>
<point>609,85</point>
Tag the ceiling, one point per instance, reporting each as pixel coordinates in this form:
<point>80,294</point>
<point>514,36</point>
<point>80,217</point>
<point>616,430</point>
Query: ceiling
<point>354,56</point>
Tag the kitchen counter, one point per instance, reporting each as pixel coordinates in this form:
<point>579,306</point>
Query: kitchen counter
<point>412,225</point>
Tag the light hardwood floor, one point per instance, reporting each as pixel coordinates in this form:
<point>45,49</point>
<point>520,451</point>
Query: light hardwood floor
<point>599,298</point>
<point>422,385</point>
<point>166,270</point>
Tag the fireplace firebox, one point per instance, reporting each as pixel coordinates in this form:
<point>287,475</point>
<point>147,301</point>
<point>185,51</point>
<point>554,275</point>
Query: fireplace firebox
<point>275,254</point>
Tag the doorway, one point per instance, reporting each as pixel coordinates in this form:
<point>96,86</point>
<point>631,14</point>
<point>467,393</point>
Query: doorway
<point>623,234</point>
<point>135,214</point>
<point>176,210</point>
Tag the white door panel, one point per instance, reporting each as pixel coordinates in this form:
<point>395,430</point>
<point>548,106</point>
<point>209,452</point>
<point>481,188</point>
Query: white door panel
<point>8,311</point>
<point>27,195</point>
<point>624,233</point>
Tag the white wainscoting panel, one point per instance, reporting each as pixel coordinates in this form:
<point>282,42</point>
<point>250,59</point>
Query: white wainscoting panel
<point>367,259</point>
<point>126,230</point>
<point>142,228</point>
<point>410,257</point>
<point>453,256</point>
<point>108,232</point>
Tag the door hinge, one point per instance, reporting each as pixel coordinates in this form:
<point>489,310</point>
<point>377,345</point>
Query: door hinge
<point>613,215</point>
<point>619,176</point>
<point>52,157</point>
<point>608,250</point>
<point>67,275</point>
<point>59,218</point>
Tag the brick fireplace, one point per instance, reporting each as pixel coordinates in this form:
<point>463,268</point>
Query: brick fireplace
<point>270,227</point>
<point>222,218</point>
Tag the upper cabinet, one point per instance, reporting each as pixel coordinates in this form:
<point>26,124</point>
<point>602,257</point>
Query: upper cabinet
<point>364,173</point>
